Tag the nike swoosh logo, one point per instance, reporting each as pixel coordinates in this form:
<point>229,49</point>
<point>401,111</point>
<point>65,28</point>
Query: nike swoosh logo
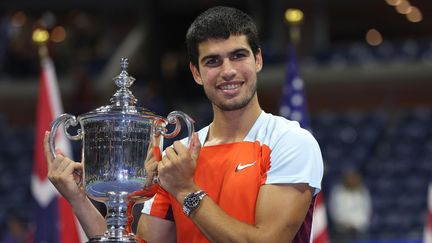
<point>242,167</point>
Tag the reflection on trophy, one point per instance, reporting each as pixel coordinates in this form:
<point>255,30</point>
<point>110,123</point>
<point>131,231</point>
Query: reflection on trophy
<point>115,142</point>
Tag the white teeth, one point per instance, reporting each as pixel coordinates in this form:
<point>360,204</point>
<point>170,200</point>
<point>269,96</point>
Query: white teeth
<point>230,86</point>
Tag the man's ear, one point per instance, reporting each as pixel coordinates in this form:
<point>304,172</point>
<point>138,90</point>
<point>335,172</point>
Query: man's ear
<point>195,73</point>
<point>258,60</point>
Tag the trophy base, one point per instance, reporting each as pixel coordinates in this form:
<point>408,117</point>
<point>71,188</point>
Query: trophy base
<point>110,239</point>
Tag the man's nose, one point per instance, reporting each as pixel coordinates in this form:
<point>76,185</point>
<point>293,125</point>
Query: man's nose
<point>228,70</point>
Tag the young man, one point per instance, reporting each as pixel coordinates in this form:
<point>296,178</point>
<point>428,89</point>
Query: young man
<point>249,176</point>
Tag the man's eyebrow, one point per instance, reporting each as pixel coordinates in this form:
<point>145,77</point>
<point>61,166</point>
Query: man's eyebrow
<point>210,56</point>
<point>240,49</point>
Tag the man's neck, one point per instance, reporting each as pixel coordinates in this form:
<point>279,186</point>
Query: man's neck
<point>232,126</point>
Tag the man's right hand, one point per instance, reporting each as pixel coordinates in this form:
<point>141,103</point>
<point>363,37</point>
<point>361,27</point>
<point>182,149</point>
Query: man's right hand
<point>62,172</point>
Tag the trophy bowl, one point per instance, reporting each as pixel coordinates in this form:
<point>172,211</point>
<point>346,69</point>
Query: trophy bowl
<point>116,140</point>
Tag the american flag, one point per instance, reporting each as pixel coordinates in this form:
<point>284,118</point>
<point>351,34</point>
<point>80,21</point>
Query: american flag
<point>427,237</point>
<point>53,218</point>
<point>294,107</point>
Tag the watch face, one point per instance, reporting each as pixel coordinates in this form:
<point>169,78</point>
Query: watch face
<point>192,201</point>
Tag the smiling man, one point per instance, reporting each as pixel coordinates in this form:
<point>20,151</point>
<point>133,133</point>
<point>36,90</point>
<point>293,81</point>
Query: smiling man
<point>249,176</point>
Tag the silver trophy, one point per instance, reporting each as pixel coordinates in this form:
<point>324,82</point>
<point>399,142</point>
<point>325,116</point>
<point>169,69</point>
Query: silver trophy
<point>115,142</point>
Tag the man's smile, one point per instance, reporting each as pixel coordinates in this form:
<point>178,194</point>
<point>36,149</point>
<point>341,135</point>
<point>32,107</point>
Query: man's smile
<point>230,88</point>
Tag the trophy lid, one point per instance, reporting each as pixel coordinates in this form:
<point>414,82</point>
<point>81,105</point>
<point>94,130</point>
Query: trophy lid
<point>123,101</point>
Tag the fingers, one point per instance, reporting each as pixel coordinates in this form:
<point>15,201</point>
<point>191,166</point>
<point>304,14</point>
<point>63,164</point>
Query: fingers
<point>77,172</point>
<point>195,147</point>
<point>151,167</point>
<point>178,151</point>
<point>61,163</point>
<point>150,164</point>
<point>65,175</point>
<point>172,153</point>
<point>63,166</point>
<point>48,154</point>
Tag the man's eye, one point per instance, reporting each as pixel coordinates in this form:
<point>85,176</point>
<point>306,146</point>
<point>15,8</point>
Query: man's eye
<point>212,62</point>
<point>238,55</point>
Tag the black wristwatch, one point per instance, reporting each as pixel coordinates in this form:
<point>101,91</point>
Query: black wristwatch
<point>192,200</point>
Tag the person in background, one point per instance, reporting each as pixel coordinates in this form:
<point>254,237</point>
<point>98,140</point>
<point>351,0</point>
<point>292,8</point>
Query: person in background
<point>350,208</point>
<point>17,231</point>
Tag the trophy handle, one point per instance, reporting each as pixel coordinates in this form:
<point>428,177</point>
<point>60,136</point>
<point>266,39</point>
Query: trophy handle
<point>68,120</point>
<point>173,119</point>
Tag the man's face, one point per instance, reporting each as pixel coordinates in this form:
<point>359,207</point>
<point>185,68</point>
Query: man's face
<point>228,71</point>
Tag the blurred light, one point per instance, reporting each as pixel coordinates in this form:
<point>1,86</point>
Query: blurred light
<point>415,15</point>
<point>58,34</point>
<point>374,37</point>
<point>293,16</point>
<point>404,7</point>
<point>18,19</point>
<point>393,2</point>
<point>40,35</point>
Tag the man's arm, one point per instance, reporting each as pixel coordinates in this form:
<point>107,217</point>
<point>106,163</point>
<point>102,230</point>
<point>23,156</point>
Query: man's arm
<point>92,222</point>
<point>154,229</point>
<point>280,211</point>
<point>62,176</point>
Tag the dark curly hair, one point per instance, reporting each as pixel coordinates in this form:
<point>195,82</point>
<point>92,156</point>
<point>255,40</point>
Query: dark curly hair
<point>219,23</point>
